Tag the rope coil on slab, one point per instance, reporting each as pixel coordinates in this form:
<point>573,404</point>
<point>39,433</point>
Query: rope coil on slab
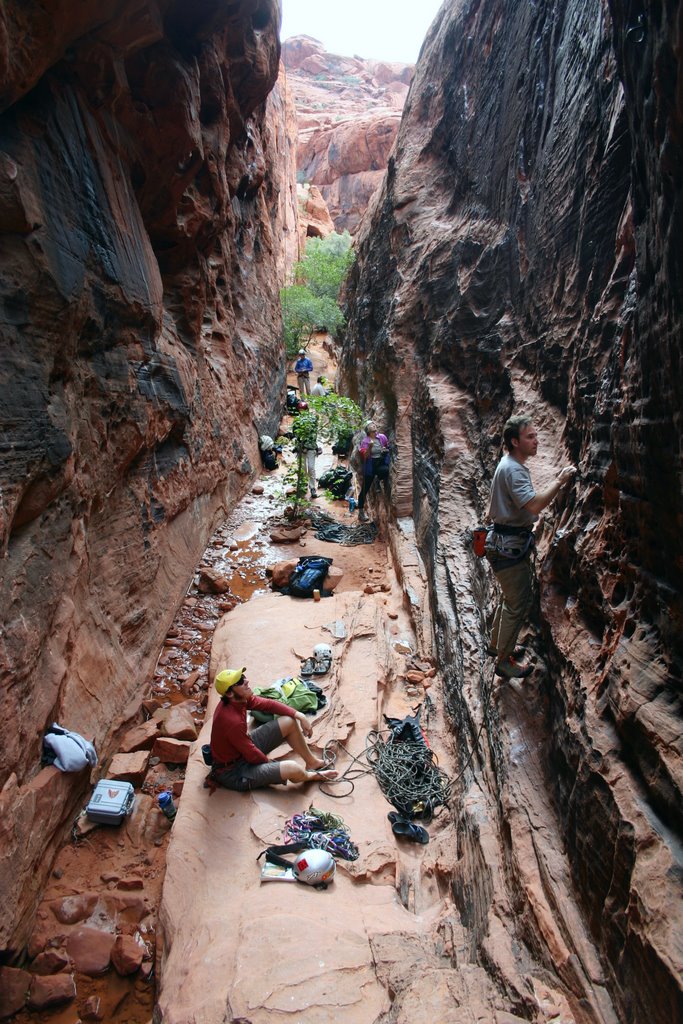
<point>406,773</point>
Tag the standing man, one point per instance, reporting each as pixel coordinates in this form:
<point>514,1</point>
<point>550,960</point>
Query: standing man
<point>513,509</point>
<point>302,369</point>
<point>240,758</point>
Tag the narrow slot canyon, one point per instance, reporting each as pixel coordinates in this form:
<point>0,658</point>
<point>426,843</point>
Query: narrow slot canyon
<point>514,201</point>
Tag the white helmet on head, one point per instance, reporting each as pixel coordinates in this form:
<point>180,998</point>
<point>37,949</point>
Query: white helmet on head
<point>322,651</point>
<point>265,442</point>
<point>314,867</point>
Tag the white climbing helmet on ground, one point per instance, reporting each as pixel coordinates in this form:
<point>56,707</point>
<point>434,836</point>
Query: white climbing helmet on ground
<point>321,652</point>
<point>314,867</point>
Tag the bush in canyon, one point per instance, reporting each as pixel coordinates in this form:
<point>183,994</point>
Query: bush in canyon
<point>304,313</point>
<point>311,304</point>
<point>326,264</point>
<point>328,418</point>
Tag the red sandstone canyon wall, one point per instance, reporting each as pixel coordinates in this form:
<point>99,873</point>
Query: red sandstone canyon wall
<point>524,254</point>
<point>141,214</point>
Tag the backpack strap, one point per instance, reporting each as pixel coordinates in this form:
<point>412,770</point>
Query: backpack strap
<point>272,853</point>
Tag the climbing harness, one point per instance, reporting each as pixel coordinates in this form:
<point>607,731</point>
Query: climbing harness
<point>321,830</point>
<point>327,528</point>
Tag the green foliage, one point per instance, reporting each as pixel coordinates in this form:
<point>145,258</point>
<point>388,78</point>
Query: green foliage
<point>303,313</point>
<point>338,415</point>
<point>311,304</point>
<point>326,264</point>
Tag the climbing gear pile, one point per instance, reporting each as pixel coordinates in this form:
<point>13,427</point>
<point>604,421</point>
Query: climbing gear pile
<point>321,830</point>
<point>310,866</point>
<point>403,764</point>
<point>319,664</point>
<point>327,528</point>
<point>406,771</point>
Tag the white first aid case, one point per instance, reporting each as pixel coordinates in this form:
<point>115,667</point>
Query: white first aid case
<point>111,802</point>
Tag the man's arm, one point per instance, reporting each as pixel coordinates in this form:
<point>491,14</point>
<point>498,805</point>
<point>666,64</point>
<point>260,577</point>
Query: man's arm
<point>276,707</point>
<point>543,498</point>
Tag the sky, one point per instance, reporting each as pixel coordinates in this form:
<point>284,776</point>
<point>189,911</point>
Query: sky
<point>373,29</point>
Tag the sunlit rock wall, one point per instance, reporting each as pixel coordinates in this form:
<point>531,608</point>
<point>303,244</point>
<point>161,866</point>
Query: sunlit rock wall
<point>140,234</point>
<point>524,254</point>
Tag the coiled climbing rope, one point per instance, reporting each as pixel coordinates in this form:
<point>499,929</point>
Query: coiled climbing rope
<point>327,528</point>
<point>406,772</point>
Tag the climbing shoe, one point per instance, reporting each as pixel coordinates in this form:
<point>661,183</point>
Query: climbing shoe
<point>510,669</point>
<point>363,516</point>
<point>314,494</point>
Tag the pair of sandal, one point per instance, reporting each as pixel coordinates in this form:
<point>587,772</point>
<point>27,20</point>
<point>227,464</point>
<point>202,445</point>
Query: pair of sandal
<point>311,667</point>
<point>407,829</point>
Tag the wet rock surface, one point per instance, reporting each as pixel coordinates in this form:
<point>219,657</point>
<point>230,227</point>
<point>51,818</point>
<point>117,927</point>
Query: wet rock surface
<point>519,257</point>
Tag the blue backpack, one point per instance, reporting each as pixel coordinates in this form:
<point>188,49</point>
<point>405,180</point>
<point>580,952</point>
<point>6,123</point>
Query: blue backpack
<point>309,575</point>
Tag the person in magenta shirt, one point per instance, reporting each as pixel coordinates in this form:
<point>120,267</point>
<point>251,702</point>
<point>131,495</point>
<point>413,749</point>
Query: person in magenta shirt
<point>239,758</point>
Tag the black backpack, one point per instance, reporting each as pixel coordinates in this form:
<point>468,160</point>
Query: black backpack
<point>336,481</point>
<point>309,575</point>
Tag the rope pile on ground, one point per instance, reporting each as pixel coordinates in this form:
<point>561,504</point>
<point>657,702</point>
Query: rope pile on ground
<point>327,528</point>
<point>408,776</point>
<point>405,770</point>
<point>321,830</point>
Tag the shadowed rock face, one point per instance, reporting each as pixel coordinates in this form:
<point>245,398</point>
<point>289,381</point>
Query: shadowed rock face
<point>140,218</point>
<point>524,254</point>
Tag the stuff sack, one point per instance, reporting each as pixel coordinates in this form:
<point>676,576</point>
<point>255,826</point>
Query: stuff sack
<point>479,541</point>
<point>269,459</point>
<point>292,691</point>
<point>336,481</point>
<point>309,575</point>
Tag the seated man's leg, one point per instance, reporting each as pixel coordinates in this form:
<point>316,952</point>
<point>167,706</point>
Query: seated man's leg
<point>516,584</point>
<point>267,737</point>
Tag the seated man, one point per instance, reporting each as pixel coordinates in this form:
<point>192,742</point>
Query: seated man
<point>239,758</point>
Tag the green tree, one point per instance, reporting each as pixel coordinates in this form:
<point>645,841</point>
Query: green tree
<point>311,304</point>
<point>326,264</point>
<point>303,313</point>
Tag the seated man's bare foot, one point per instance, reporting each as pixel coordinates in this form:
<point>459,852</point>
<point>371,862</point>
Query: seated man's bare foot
<point>326,773</point>
<point>315,763</point>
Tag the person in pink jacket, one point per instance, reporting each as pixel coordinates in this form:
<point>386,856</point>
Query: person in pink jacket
<point>374,451</point>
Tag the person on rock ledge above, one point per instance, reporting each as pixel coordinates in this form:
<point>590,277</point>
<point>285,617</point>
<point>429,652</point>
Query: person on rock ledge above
<point>239,758</point>
<point>513,510</point>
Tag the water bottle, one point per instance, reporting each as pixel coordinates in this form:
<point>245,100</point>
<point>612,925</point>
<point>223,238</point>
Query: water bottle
<point>352,504</point>
<point>166,804</point>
